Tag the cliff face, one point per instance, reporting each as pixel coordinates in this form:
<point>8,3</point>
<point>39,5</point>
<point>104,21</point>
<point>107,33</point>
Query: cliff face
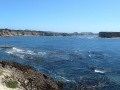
<point>7,32</point>
<point>109,34</point>
<point>20,33</point>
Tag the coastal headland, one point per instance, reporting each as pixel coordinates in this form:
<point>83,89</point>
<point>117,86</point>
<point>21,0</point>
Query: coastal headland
<point>109,34</point>
<point>9,32</point>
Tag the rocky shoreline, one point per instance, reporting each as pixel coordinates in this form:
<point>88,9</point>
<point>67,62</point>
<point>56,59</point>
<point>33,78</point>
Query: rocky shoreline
<point>19,77</point>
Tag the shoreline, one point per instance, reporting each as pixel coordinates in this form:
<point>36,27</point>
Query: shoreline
<point>24,78</point>
<point>9,33</point>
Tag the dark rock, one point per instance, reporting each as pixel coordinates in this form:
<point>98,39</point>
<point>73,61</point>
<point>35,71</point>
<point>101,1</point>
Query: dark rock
<point>109,34</point>
<point>6,47</point>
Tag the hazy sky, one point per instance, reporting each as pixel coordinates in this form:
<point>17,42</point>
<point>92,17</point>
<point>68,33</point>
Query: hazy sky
<point>61,15</point>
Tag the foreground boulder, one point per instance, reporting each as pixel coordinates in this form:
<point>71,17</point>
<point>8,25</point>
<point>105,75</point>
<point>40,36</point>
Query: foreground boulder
<point>18,77</point>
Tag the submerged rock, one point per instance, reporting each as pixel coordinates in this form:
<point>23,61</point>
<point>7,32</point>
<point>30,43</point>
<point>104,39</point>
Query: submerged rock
<point>25,78</point>
<point>6,47</point>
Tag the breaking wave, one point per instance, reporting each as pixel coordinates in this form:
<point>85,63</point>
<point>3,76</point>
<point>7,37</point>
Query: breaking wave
<point>99,71</point>
<point>21,51</point>
<point>25,54</point>
<point>85,71</point>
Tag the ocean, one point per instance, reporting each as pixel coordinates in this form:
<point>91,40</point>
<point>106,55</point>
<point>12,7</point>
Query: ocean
<point>78,62</point>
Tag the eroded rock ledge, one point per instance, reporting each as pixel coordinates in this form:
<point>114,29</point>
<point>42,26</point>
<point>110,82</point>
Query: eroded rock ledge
<point>24,77</point>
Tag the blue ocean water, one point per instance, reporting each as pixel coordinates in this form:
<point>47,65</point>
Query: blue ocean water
<point>79,62</point>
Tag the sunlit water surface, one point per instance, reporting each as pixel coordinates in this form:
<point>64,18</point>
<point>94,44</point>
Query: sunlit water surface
<point>78,62</point>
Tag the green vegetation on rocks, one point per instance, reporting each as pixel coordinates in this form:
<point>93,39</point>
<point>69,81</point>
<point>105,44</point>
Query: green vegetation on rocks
<point>11,84</point>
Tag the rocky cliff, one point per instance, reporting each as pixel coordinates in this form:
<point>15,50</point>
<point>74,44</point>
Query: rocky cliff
<point>109,34</point>
<point>8,32</point>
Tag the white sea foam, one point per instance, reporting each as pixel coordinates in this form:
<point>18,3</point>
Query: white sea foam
<point>15,50</point>
<point>23,53</point>
<point>42,53</point>
<point>90,55</point>
<point>63,79</point>
<point>21,56</point>
<point>29,52</point>
<point>99,71</point>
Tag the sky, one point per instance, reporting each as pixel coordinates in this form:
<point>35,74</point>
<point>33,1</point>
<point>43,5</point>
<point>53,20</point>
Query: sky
<point>61,15</point>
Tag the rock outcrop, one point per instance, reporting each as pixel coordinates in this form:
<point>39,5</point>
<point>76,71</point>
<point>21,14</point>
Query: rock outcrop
<point>24,77</point>
<point>109,34</point>
<point>8,32</point>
